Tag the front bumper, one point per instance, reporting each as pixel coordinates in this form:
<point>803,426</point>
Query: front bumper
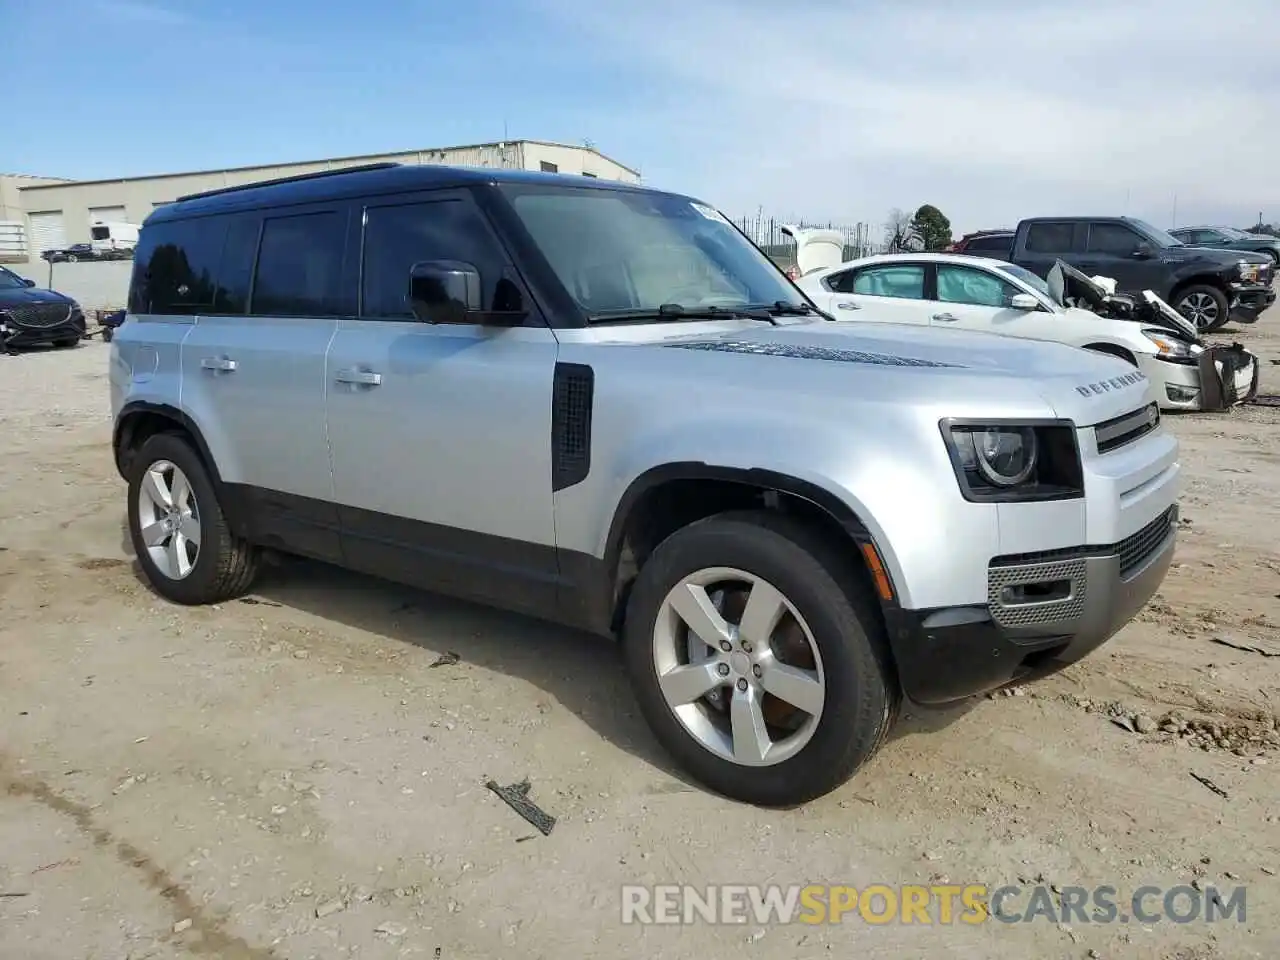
<point>1248,300</point>
<point>1220,377</point>
<point>1044,612</point>
<point>16,335</point>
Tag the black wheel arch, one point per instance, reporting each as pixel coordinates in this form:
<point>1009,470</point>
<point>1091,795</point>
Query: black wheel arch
<point>140,419</point>
<point>1215,280</point>
<point>683,485</point>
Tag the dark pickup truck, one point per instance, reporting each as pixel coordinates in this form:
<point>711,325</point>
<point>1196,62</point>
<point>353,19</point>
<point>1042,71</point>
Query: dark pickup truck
<point>1208,287</point>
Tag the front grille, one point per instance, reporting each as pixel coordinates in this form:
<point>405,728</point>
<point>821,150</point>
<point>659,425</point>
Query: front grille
<point>38,316</point>
<point>1136,548</point>
<point>1126,428</point>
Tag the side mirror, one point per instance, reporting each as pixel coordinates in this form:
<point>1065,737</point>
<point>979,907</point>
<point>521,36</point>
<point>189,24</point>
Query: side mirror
<point>1024,301</point>
<point>26,282</point>
<point>1142,251</point>
<point>444,291</point>
<point>450,291</point>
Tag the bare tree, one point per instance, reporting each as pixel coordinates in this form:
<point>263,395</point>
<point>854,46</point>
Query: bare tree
<point>895,228</point>
<point>900,233</point>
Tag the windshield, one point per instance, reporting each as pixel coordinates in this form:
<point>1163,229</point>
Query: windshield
<point>1157,236</point>
<point>1234,234</point>
<point>1027,277</point>
<point>10,280</point>
<point>100,233</point>
<point>619,252</point>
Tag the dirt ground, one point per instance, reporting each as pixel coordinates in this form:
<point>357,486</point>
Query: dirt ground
<point>294,777</point>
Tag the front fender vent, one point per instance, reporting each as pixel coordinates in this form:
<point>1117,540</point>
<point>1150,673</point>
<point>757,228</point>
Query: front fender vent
<point>572,397</point>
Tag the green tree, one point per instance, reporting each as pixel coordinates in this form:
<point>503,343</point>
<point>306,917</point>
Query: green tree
<point>933,226</point>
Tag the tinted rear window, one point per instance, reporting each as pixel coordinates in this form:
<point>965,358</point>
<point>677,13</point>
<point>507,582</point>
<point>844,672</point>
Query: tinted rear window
<point>1002,244</point>
<point>299,266</point>
<point>175,266</point>
<point>1050,237</point>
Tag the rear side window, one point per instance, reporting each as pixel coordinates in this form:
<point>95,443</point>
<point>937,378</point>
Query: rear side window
<point>235,269</point>
<point>397,237</point>
<point>1050,237</point>
<point>175,267</point>
<point>299,266</point>
<point>997,244</point>
<point>903,282</point>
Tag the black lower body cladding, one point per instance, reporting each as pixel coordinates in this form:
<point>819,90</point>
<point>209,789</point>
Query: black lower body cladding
<point>947,655</point>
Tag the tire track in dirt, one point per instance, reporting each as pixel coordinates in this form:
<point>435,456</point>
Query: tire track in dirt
<point>211,939</point>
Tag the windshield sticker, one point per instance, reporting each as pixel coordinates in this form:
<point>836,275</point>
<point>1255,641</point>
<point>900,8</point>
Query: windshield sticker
<point>801,352</point>
<point>710,212</point>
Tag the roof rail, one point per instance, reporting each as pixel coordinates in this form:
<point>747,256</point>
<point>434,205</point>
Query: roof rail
<point>293,179</point>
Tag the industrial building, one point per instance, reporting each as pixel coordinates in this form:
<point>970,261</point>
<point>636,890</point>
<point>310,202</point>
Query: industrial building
<point>43,213</point>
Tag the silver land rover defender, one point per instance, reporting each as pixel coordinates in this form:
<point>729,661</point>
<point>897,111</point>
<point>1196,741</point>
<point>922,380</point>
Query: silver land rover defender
<point>602,405</point>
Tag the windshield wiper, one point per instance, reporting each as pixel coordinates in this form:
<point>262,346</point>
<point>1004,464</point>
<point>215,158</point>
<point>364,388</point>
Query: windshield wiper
<point>675,311</point>
<point>781,308</point>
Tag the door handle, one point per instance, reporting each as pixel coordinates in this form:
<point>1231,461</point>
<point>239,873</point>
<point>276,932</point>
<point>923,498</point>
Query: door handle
<point>948,317</point>
<point>849,305</point>
<point>365,378</point>
<point>224,364</point>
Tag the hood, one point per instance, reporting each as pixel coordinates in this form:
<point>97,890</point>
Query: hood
<point>816,249</point>
<point>1065,283</point>
<point>20,296</point>
<point>1215,254</point>
<point>950,372</point>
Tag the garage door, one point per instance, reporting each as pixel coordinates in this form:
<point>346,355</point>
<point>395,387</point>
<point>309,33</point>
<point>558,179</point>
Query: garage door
<point>47,231</point>
<point>106,215</point>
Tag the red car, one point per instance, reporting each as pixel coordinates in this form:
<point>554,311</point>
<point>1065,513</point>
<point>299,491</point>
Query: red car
<point>997,244</point>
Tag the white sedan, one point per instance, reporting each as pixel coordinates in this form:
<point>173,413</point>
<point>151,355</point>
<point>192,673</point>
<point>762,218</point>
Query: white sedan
<point>974,293</point>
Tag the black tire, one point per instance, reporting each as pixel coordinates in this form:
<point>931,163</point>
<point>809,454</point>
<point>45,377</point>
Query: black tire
<point>225,566</point>
<point>1112,350</point>
<point>1219,298</point>
<point>862,694</point>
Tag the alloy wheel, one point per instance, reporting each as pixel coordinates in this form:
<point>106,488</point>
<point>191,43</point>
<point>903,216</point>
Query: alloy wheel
<point>169,520</point>
<point>1201,309</point>
<point>738,666</point>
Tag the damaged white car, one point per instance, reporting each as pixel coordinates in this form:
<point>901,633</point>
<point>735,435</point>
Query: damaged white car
<point>992,296</point>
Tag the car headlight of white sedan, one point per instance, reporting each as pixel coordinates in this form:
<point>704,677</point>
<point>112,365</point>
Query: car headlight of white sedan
<point>1172,348</point>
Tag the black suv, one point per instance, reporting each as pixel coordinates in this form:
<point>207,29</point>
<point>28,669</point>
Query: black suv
<point>1208,287</point>
<point>31,317</point>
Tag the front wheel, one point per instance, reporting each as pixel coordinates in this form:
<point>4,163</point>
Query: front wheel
<point>1205,306</point>
<point>180,536</point>
<point>758,658</point>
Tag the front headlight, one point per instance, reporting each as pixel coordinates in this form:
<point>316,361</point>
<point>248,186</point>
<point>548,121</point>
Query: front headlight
<point>1169,346</point>
<point>1014,462</point>
<point>1247,270</point>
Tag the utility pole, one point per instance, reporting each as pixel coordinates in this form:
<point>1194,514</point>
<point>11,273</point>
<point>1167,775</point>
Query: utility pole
<point>1175,210</point>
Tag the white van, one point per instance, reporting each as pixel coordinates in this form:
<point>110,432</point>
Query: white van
<point>113,239</point>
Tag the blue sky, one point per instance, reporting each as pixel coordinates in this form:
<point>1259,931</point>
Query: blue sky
<point>833,109</point>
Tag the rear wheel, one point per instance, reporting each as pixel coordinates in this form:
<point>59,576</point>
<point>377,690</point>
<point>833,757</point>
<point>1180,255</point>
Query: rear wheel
<point>1205,306</point>
<point>758,658</point>
<point>179,533</point>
